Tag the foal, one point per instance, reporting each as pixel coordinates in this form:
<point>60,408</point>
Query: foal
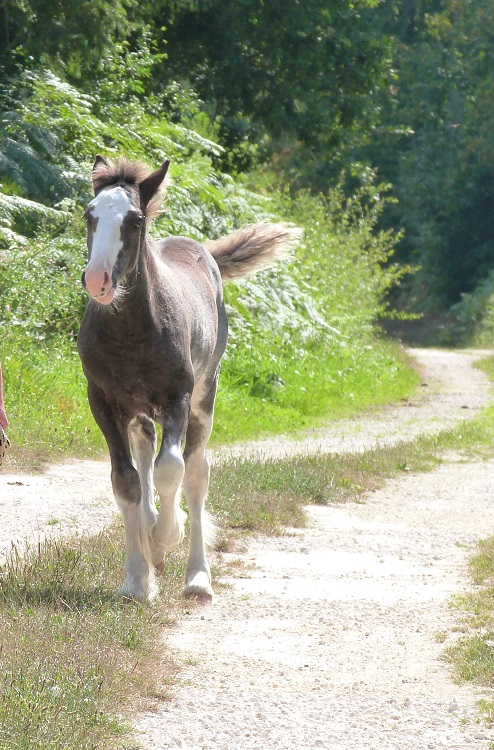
<point>150,343</point>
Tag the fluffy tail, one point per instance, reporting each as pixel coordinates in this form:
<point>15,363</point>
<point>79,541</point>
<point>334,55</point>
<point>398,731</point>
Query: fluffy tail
<point>251,248</point>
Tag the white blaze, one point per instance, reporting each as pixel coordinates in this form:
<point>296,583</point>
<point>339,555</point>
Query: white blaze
<point>110,207</point>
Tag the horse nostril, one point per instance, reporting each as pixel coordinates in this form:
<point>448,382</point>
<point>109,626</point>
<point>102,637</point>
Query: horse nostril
<point>83,279</point>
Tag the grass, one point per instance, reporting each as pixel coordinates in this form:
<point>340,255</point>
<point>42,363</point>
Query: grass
<point>46,401</point>
<point>74,657</point>
<point>267,497</point>
<point>314,391</point>
<point>472,655</point>
<point>76,662</point>
<point>45,392</point>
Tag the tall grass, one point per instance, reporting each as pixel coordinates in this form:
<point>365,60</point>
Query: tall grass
<point>303,395</point>
<point>50,417</point>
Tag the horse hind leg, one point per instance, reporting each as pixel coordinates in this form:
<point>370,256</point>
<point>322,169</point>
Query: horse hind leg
<point>196,484</point>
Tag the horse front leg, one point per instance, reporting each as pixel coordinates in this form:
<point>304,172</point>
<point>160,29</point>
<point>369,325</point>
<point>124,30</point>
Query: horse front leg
<point>139,580</point>
<point>168,475</point>
<point>142,436</point>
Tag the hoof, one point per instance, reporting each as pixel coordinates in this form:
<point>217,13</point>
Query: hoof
<point>203,600</point>
<point>199,588</point>
<point>135,590</point>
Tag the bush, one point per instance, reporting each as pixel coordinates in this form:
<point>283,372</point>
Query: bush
<point>302,344</point>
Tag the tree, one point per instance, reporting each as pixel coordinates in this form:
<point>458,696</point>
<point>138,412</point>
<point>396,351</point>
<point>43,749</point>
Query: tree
<point>303,76</point>
<point>437,147</point>
<point>65,35</point>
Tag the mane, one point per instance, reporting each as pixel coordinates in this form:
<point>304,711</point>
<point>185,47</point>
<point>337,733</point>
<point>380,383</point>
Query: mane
<point>126,172</point>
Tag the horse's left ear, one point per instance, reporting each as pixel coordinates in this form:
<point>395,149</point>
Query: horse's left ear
<point>150,186</point>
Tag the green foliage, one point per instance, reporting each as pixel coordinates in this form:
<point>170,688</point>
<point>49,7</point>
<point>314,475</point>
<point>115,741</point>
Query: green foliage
<point>472,319</point>
<point>20,218</point>
<point>67,36</point>
<point>301,75</point>
<point>302,337</point>
<point>313,89</point>
<point>437,147</point>
<point>321,308</point>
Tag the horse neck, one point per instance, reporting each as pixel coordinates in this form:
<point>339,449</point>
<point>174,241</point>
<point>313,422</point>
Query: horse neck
<point>134,297</point>
<point>138,281</point>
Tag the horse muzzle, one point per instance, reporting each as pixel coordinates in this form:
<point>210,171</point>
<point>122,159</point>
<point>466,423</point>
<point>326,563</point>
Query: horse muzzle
<point>99,284</point>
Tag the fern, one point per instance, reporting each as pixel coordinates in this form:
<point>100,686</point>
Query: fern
<point>21,218</point>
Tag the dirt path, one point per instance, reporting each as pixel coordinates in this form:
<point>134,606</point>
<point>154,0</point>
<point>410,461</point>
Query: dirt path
<point>329,638</point>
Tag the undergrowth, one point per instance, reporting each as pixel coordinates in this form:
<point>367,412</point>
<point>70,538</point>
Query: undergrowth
<point>303,341</point>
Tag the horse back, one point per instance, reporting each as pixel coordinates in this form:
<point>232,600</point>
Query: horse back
<point>190,263</point>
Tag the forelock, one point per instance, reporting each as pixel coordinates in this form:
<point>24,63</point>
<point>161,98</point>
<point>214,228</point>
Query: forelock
<point>125,172</point>
<point>121,172</point>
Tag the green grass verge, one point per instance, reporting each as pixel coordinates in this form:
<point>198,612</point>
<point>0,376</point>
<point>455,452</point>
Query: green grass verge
<point>45,393</point>
<point>472,655</point>
<point>313,393</point>
<point>75,657</point>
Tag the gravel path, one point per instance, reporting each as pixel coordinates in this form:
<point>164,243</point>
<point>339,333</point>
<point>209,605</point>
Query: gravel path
<point>327,639</point>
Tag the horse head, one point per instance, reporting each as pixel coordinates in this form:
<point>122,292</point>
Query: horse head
<point>116,223</point>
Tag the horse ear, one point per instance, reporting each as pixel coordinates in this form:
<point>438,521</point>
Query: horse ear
<point>149,186</point>
<point>99,160</point>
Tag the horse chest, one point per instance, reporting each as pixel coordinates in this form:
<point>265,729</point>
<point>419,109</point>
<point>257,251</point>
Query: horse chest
<point>134,365</point>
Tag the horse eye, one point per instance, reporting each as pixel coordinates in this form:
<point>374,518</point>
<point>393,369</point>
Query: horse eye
<point>138,221</point>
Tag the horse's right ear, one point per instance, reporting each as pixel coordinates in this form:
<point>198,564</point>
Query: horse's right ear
<point>98,162</point>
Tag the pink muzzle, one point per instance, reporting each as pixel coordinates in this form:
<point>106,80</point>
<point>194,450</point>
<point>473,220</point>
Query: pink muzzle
<point>98,283</point>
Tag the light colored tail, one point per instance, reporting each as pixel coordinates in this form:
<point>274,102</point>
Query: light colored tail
<point>251,248</point>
